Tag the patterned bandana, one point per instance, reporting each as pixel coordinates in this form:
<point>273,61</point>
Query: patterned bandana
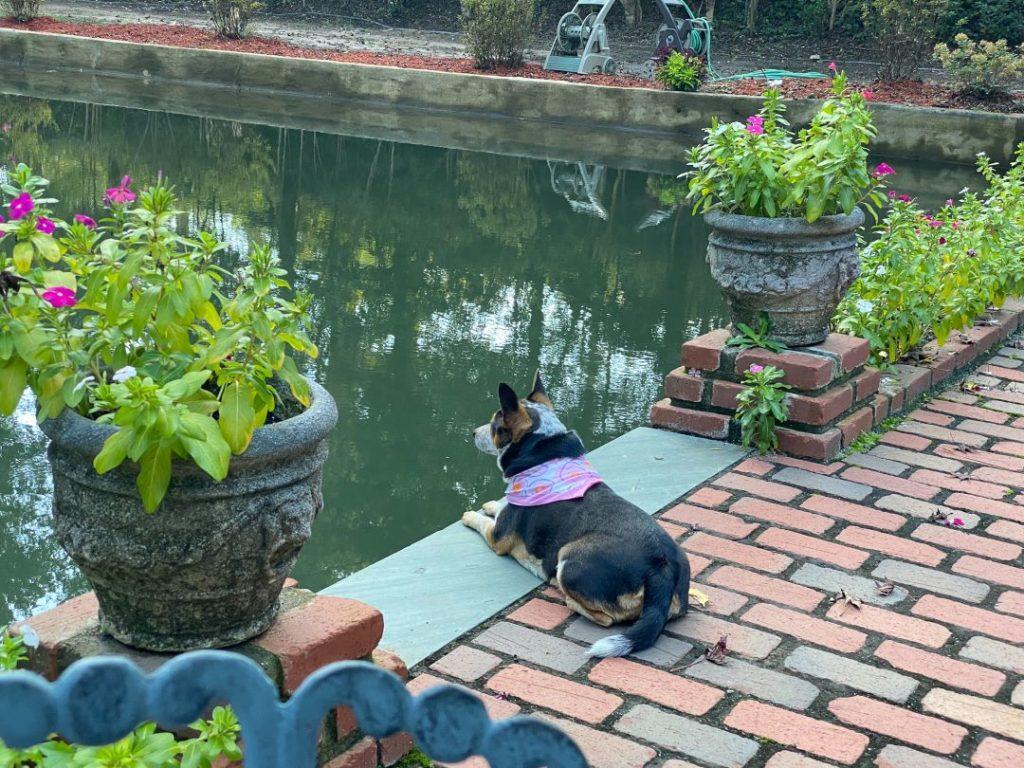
<point>555,480</point>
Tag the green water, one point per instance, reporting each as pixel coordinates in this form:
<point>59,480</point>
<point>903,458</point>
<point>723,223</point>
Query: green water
<point>438,273</point>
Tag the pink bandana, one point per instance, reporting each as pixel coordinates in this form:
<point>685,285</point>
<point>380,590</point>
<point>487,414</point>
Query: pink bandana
<point>555,480</point>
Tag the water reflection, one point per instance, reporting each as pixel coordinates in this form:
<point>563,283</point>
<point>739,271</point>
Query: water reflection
<point>436,272</point>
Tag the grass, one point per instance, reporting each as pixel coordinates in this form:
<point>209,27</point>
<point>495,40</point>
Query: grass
<point>867,440</point>
<point>415,759</point>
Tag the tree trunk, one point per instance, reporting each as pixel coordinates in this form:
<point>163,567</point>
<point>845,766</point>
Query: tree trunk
<point>634,12</point>
<point>752,14</point>
<point>709,10</point>
<point>833,8</point>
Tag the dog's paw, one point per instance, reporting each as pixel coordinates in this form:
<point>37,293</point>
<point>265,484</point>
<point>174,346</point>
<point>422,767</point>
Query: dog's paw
<point>469,518</point>
<point>492,508</point>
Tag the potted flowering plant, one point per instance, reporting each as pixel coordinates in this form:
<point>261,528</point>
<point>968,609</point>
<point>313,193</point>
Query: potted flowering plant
<point>784,210</point>
<point>166,386</point>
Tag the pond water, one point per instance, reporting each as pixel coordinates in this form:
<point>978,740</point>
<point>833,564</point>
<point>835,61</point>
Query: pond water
<point>437,273</point>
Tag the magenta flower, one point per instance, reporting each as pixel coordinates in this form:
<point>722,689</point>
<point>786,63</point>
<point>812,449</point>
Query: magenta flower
<point>884,169</point>
<point>949,201</point>
<point>934,223</point>
<point>868,94</point>
<point>958,522</point>
<point>892,194</point>
<point>755,125</point>
<point>955,225</point>
<point>904,198</point>
<point>942,241</point>
<point>120,194</point>
<point>88,221</point>
<point>60,297</point>
<point>832,66</point>
<point>45,225</point>
<point>755,368</point>
<point>21,206</point>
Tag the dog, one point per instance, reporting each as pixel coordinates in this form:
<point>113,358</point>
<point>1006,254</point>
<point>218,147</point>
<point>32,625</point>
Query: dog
<point>561,522</point>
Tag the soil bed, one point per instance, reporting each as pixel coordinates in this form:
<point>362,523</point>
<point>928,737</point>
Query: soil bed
<point>908,92</point>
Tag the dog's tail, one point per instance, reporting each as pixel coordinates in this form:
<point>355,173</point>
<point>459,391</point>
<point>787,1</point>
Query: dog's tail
<point>659,589</point>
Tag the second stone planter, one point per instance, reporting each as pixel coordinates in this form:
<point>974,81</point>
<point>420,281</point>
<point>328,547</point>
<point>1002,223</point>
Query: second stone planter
<point>793,271</point>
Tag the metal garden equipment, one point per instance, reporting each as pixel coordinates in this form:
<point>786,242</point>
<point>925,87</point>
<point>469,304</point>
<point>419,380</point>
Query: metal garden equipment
<point>100,700</point>
<point>581,39</point>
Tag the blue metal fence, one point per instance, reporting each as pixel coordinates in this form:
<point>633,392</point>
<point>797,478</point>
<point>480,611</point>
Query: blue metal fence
<point>99,700</point>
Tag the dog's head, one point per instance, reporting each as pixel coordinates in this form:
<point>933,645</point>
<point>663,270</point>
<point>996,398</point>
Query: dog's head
<point>518,419</point>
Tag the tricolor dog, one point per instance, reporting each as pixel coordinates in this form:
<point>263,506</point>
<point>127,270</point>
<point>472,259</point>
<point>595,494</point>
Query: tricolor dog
<point>560,521</point>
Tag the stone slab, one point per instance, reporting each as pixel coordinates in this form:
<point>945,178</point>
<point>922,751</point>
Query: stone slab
<point>932,580</point>
<point>713,746</point>
<point>767,684</point>
<point>446,584</point>
<point>862,677</point>
<point>832,581</point>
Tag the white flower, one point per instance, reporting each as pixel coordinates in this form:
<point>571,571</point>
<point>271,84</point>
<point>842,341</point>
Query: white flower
<point>880,269</point>
<point>122,375</point>
<point>965,190</point>
<point>863,305</point>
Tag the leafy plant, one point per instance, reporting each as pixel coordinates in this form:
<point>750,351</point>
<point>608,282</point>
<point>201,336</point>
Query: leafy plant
<point>12,652</point>
<point>905,30</point>
<point>497,30</point>
<point>761,407</point>
<point>933,274</point>
<point>231,18</point>
<point>981,68</point>
<point>20,10</point>
<point>749,338</point>
<point>682,72</point>
<point>762,169</point>
<point>133,324</point>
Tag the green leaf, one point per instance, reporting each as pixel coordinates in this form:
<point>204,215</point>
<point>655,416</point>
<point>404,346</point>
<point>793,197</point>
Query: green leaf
<point>55,279</point>
<point>23,254</point>
<point>154,476</point>
<point>13,377</point>
<point>296,381</point>
<point>46,246</point>
<point>211,453</point>
<point>114,451</point>
<point>186,386</point>
<point>237,416</point>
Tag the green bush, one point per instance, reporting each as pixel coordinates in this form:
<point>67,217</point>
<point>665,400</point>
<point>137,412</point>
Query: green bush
<point>989,20</point>
<point>762,406</point>
<point>497,30</point>
<point>231,18</point>
<point>682,72</point>
<point>22,10</point>
<point>931,275</point>
<point>981,68</point>
<point>904,30</point>
<point>762,169</point>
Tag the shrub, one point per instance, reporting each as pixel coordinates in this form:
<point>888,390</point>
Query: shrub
<point>930,275</point>
<point>22,10</point>
<point>991,19</point>
<point>231,18</point>
<point>682,72</point>
<point>981,68</point>
<point>762,169</point>
<point>132,323</point>
<point>905,31</point>
<point>762,406</point>
<point>497,30</point>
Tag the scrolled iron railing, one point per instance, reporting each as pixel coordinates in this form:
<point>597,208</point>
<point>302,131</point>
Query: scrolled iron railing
<point>99,700</point>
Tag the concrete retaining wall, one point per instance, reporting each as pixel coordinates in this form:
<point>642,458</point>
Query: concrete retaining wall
<point>903,132</point>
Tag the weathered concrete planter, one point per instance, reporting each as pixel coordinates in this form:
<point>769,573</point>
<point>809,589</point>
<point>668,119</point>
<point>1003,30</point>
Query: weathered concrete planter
<point>206,570</point>
<point>794,271</point>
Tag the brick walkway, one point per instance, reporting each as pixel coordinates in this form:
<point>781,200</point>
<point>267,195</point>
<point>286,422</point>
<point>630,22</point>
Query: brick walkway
<point>926,672</point>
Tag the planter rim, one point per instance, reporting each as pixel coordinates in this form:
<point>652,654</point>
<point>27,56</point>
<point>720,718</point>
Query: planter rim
<point>783,226</point>
<point>85,437</point>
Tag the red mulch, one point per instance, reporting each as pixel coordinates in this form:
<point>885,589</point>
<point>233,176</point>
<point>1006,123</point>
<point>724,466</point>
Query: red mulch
<point>914,93</point>
<point>910,92</point>
<point>193,37</point>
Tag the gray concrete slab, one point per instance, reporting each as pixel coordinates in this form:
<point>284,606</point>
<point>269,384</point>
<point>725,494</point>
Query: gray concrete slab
<point>442,586</point>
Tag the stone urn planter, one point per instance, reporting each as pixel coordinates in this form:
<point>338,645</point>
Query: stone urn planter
<point>794,271</point>
<point>207,568</point>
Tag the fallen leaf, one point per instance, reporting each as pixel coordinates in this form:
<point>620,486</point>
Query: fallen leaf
<point>699,597</point>
<point>846,600</point>
<point>718,653</point>
<point>884,588</point>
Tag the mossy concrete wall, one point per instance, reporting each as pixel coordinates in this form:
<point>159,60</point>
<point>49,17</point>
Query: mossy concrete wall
<point>633,116</point>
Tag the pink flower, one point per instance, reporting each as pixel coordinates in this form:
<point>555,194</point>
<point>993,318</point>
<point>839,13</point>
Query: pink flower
<point>955,225</point>
<point>120,194</point>
<point>958,522</point>
<point>868,94</point>
<point>832,66</point>
<point>949,201</point>
<point>892,194</point>
<point>755,125</point>
<point>60,297</point>
<point>45,225</point>
<point>904,198</point>
<point>883,169</point>
<point>755,368</point>
<point>942,241</point>
<point>21,206</point>
<point>88,221</point>
<point>934,223</point>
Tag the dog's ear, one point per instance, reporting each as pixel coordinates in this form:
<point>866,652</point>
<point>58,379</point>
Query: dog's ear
<point>509,399</point>
<point>539,394</point>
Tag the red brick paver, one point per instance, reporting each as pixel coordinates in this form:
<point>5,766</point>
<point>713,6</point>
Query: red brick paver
<point>828,662</point>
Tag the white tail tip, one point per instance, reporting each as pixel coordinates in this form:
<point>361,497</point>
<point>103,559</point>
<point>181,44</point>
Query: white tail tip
<point>615,645</point>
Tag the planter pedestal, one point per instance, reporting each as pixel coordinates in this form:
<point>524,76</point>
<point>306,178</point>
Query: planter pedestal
<point>310,632</point>
<point>832,400</point>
